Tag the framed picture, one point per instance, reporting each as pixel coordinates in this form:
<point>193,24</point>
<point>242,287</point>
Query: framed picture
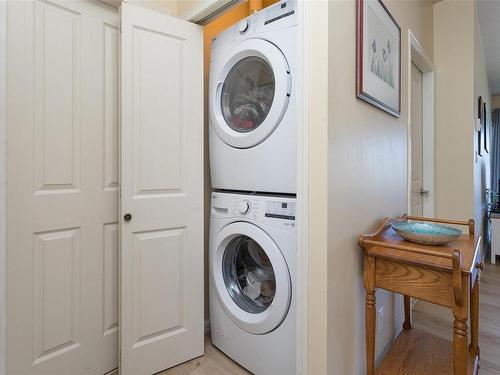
<point>480,116</point>
<point>485,127</point>
<point>378,58</point>
<point>479,121</point>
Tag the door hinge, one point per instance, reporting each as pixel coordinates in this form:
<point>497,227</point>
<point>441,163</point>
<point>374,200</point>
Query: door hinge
<point>423,192</point>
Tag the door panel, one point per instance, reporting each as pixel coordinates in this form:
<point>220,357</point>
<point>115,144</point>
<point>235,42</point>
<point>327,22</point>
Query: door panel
<point>57,301</point>
<point>162,188</point>
<point>61,285</point>
<point>416,128</point>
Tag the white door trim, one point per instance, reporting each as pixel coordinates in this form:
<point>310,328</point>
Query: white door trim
<point>3,172</point>
<point>417,56</point>
<point>303,114</point>
<point>206,9</point>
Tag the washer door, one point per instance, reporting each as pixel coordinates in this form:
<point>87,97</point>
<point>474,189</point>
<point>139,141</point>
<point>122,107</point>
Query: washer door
<point>251,277</point>
<point>249,93</point>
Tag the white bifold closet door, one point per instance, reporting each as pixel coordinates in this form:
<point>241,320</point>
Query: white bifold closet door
<point>77,272</point>
<point>161,303</point>
<point>62,188</point>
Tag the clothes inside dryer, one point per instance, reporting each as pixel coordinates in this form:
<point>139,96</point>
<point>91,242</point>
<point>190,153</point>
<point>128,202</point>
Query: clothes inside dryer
<point>248,274</point>
<point>247,94</point>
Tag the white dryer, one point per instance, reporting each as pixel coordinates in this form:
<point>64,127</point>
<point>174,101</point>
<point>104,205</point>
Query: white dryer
<point>252,110</point>
<point>252,280</point>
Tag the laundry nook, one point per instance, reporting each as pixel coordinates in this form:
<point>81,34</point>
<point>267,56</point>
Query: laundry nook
<point>237,187</point>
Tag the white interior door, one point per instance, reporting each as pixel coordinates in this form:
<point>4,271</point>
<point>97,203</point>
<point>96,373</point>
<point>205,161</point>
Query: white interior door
<point>417,190</point>
<point>62,214</point>
<point>162,191</point>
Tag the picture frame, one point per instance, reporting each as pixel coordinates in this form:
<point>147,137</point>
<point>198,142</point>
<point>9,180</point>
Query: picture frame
<point>485,127</point>
<point>378,57</point>
<point>480,116</point>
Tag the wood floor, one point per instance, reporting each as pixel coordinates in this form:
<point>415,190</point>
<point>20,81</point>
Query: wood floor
<point>214,362</point>
<point>439,320</point>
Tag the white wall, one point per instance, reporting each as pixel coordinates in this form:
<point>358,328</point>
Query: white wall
<point>367,180</point>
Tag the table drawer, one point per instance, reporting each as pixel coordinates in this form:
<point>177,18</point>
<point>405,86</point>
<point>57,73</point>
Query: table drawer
<point>415,281</point>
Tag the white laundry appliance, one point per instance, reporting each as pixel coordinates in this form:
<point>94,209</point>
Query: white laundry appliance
<point>252,103</point>
<point>252,279</point>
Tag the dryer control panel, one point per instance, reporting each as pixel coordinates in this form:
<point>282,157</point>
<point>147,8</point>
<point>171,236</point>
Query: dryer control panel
<point>276,211</point>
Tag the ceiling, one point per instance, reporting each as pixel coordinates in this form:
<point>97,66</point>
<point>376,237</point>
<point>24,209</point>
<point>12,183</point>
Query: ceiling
<point>489,19</point>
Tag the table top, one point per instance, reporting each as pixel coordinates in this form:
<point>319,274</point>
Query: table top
<point>386,243</point>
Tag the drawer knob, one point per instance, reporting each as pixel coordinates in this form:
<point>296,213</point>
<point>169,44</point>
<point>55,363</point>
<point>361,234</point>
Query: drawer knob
<point>480,266</point>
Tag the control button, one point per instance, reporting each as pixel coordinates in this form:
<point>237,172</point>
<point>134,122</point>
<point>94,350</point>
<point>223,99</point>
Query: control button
<point>244,207</point>
<point>243,26</point>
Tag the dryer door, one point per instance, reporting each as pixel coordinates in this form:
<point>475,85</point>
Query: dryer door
<point>251,277</point>
<point>249,93</point>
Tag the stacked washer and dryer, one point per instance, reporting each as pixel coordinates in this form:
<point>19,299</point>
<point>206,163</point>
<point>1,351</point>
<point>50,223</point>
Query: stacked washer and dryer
<point>253,126</point>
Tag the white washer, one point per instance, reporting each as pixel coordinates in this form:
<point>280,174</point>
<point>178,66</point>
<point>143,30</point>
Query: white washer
<point>252,280</point>
<point>252,110</point>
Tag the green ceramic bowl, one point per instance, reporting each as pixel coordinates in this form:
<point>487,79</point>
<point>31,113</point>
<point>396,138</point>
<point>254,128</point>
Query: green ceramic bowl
<point>426,233</point>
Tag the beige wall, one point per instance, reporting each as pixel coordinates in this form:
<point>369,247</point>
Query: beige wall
<point>185,5</point>
<point>495,102</point>
<point>482,179</point>
<point>454,168</point>
<point>174,7</point>
<point>170,6</point>
<point>367,180</point>
<point>461,176</point>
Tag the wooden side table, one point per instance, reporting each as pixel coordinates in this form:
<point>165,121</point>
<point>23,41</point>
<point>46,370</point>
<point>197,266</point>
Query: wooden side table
<point>446,275</point>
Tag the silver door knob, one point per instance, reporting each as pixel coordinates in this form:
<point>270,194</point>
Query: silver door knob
<point>423,192</point>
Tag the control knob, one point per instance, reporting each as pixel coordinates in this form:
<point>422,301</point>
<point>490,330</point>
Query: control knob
<point>244,207</point>
<point>243,26</point>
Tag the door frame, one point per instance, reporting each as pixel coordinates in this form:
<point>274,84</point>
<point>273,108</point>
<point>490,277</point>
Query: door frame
<point>209,8</point>
<point>3,181</point>
<point>418,56</point>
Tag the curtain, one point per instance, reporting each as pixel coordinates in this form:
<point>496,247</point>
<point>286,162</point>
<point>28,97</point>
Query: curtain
<point>495,150</point>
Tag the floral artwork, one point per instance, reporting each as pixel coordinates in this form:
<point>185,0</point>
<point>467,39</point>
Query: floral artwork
<point>382,62</point>
<point>378,57</point>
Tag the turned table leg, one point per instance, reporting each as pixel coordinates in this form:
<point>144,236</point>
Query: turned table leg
<point>460,332</point>
<point>370,317</point>
<point>460,353</point>
<point>407,303</point>
<point>474,319</point>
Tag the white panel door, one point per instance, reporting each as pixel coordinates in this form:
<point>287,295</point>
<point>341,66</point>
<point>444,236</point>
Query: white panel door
<point>416,136</point>
<point>62,190</point>
<point>162,191</point>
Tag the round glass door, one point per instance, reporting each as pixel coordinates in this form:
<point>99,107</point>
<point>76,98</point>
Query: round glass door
<point>251,277</point>
<point>248,275</point>
<point>247,94</point>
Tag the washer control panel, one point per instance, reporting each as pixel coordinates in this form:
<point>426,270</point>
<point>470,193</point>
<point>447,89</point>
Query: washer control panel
<point>280,210</point>
<point>272,210</point>
<point>244,206</point>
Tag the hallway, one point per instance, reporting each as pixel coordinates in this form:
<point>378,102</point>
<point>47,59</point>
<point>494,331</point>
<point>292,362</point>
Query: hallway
<point>438,320</point>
